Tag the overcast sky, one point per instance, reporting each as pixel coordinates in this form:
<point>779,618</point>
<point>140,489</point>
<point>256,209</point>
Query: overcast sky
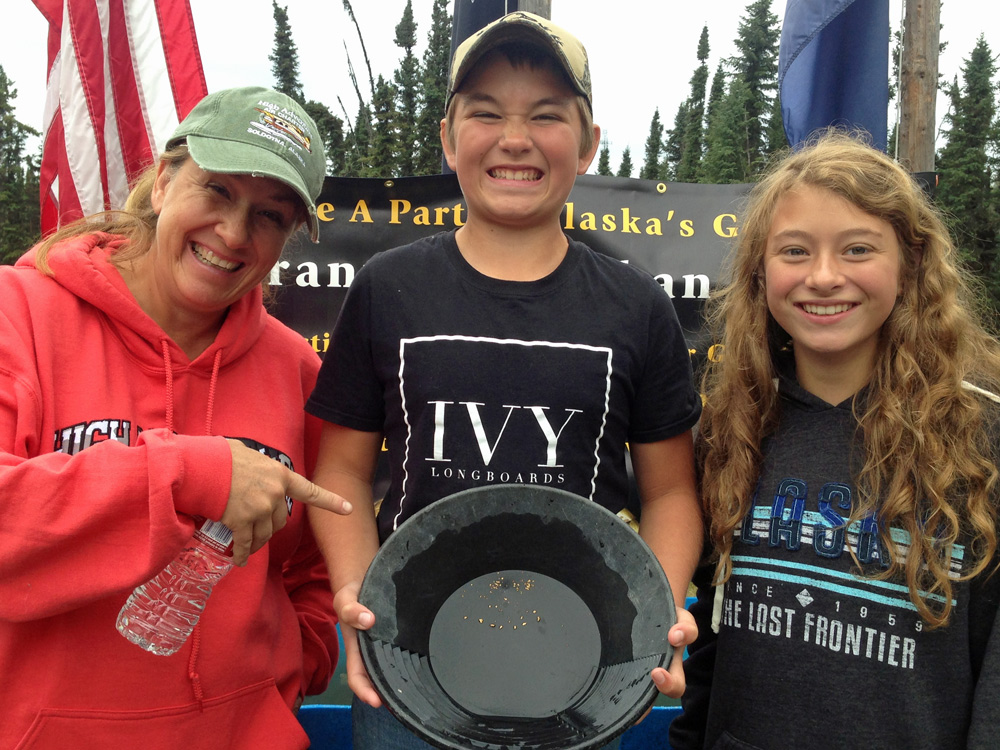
<point>642,57</point>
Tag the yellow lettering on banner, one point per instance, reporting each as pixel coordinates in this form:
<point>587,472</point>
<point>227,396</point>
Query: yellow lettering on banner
<point>397,207</point>
<point>319,344</point>
<point>715,353</point>
<point>687,228</point>
<point>623,222</point>
<point>324,212</point>
<point>361,210</point>
<point>422,218</point>
<point>629,224</point>
<point>725,230</point>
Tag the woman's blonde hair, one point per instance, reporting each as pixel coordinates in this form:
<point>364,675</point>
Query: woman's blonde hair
<point>926,461</point>
<point>136,221</point>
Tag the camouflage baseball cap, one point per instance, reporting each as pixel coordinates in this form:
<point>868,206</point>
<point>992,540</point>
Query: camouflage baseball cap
<point>521,26</point>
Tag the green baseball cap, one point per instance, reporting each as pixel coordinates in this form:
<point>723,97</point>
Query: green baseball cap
<point>521,26</point>
<point>259,132</point>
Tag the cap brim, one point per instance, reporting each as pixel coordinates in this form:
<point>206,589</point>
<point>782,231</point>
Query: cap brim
<point>516,616</point>
<point>232,157</point>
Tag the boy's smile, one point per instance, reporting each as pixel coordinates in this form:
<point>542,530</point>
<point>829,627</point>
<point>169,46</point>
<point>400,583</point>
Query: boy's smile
<point>516,143</point>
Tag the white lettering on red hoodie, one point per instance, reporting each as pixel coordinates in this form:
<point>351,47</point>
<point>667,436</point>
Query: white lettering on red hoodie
<point>111,440</point>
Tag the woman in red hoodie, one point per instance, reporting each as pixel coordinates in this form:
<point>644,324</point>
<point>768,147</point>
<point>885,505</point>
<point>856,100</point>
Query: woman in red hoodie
<point>143,387</point>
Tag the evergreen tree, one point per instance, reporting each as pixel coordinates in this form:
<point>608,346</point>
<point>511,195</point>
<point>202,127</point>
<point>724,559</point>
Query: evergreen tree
<point>967,165</point>
<point>673,147</point>
<point>19,189</point>
<point>715,95</point>
<point>654,147</point>
<point>434,90</point>
<point>331,130</point>
<point>692,141</point>
<point>604,159</point>
<point>775,138</point>
<point>726,158</point>
<point>358,142</point>
<point>285,56</point>
<point>285,69</point>
<point>625,169</point>
<point>384,147</point>
<point>407,80</point>
<point>756,64</point>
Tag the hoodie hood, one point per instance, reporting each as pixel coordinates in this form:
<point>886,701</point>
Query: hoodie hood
<point>790,390</point>
<point>82,266</point>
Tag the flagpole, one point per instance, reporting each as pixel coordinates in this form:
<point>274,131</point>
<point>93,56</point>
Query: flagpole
<point>918,84</point>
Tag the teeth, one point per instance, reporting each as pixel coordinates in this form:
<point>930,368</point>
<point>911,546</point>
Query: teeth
<point>519,174</point>
<point>209,258</point>
<point>826,309</point>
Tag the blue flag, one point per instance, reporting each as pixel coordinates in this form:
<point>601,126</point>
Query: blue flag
<point>833,67</point>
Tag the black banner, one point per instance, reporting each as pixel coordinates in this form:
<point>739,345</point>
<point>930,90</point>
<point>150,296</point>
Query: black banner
<point>678,232</point>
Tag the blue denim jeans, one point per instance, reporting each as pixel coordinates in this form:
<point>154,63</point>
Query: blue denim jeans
<point>377,729</point>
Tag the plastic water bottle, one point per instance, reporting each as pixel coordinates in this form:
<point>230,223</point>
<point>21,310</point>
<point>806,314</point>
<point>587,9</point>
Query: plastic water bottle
<point>161,613</point>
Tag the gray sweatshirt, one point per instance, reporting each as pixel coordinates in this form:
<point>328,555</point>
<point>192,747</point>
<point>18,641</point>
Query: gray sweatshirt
<point>806,653</point>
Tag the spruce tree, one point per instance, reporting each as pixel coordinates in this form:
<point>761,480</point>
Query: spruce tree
<point>285,56</point>
<point>407,79</point>
<point>654,147</point>
<point>434,90</point>
<point>716,94</point>
<point>625,168</point>
<point>756,64</point>
<point>331,130</point>
<point>285,69</point>
<point>604,159</point>
<point>967,165</point>
<point>383,149</point>
<point>673,148</point>
<point>357,143</point>
<point>775,138</point>
<point>726,158</point>
<point>19,190</point>
<point>693,141</point>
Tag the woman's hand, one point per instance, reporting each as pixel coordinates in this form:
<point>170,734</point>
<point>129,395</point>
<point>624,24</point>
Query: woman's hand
<point>257,507</point>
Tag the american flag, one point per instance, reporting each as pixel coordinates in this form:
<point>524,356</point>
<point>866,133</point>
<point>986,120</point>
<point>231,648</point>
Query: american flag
<point>121,75</point>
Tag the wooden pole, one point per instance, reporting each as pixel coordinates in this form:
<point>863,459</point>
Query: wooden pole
<point>918,84</point>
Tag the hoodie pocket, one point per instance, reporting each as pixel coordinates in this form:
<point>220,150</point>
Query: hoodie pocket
<point>247,719</point>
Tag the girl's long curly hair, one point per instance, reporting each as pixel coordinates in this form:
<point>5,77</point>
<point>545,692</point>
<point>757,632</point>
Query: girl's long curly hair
<point>927,467</point>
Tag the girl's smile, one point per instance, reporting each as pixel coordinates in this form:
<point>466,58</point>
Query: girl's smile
<point>832,278</point>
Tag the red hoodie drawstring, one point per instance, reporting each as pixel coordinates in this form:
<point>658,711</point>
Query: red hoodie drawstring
<point>193,674</point>
<point>169,367</point>
<point>192,666</point>
<point>211,392</point>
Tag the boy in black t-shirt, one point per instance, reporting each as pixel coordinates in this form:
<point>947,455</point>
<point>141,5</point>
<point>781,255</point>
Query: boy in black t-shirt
<point>503,352</point>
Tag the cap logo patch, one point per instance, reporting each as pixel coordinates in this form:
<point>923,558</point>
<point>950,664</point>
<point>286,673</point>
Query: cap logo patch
<point>279,124</point>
